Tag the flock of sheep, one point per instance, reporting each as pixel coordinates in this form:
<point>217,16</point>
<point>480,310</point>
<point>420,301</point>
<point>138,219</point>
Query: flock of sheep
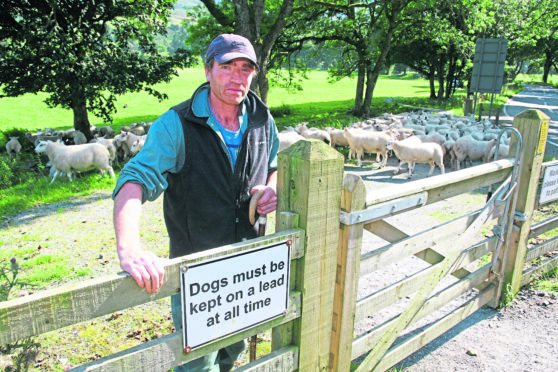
<point>69,152</point>
<point>416,137</point>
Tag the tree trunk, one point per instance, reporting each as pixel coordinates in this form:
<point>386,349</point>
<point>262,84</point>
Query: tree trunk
<point>431,78</point>
<point>359,89</point>
<point>371,79</point>
<point>450,79</point>
<point>248,24</point>
<point>547,65</point>
<point>263,83</point>
<point>81,120</point>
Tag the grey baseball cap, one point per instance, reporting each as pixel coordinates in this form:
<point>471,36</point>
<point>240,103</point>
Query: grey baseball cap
<point>227,47</point>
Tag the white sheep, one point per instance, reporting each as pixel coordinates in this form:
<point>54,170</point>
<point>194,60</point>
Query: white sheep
<point>124,141</point>
<point>367,141</point>
<point>68,159</point>
<point>412,151</point>
<point>287,138</point>
<point>13,147</point>
<point>109,144</point>
<point>337,137</point>
<point>503,152</point>
<point>315,133</point>
<point>137,146</point>
<point>469,149</point>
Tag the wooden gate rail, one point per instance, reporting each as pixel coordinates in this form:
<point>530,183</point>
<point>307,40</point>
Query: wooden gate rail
<point>451,257</point>
<point>447,248</point>
<point>74,303</point>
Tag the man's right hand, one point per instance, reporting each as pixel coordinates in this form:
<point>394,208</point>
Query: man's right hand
<point>146,268</point>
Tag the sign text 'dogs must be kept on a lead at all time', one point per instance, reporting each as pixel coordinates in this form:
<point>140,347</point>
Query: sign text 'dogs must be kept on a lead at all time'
<point>234,293</point>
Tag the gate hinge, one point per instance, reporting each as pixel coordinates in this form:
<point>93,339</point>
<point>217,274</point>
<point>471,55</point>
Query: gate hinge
<point>521,217</point>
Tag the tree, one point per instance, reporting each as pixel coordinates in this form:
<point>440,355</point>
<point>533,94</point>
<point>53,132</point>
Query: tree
<point>84,53</point>
<point>259,21</point>
<point>363,31</point>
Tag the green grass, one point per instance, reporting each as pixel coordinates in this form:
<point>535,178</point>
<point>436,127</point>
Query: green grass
<point>319,101</point>
<point>547,282</point>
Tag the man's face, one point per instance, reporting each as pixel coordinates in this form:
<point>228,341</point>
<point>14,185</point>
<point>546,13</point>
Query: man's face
<point>230,81</point>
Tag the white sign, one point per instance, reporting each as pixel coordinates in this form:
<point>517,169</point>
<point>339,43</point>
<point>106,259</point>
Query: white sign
<point>549,189</point>
<point>233,293</point>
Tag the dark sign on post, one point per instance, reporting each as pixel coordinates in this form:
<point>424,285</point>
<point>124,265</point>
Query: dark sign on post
<point>488,65</point>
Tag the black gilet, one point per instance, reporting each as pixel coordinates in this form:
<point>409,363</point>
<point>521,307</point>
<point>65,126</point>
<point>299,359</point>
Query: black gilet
<point>206,203</point>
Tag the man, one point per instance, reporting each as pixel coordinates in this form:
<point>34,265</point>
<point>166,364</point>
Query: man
<point>209,154</point>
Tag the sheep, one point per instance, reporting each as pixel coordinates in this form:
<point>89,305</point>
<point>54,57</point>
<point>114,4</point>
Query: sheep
<point>337,137</point>
<point>79,138</point>
<point>109,144</point>
<point>412,151</point>
<point>433,137</point>
<point>105,132</point>
<point>362,141</point>
<point>468,148</point>
<point>503,152</point>
<point>137,146</point>
<point>449,154</point>
<point>287,138</point>
<point>13,147</point>
<point>315,133</point>
<point>83,157</point>
<point>123,143</point>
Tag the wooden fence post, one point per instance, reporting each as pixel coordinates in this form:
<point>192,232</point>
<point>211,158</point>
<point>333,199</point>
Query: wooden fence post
<point>533,126</point>
<point>348,270</point>
<point>309,183</point>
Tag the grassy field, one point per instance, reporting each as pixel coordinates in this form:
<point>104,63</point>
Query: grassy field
<point>319,99</point>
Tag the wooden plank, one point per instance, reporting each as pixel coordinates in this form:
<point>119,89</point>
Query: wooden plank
<point>397,291</point>
<point>283,360</point>
<point>74,303</point>
<point>540,249</point>
<point>346,283</point>
<point>477,279</point>
<point>543,226</point>
<point>436,236</point>
<point>309,183</point>
<point>529,123</point>
<point>433,331</point>
<point>385,230</point>
<point>544,267</point>
<point>167,352</point>
<point>282,336</point>
<point>445,186</point>
<point>448,265</point>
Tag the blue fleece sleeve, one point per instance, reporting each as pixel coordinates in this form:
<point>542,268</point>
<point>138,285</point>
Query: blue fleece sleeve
<point>163,152</point>
<point>273,145</point>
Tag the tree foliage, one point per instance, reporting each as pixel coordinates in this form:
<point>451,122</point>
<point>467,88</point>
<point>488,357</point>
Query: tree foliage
<point>84,53</point>
<point>259,21</point>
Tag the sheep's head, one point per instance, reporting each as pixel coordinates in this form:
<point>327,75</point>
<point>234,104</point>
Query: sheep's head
<point>41,146</point>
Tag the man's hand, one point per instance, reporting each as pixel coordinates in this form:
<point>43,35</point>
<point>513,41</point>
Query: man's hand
<point>268,201</point>
<point>146,268</point>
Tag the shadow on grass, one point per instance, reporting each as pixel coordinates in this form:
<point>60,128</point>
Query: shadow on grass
<point>43,210</point>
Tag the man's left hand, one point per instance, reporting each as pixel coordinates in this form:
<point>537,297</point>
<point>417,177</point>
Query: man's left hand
<point>268,201</point>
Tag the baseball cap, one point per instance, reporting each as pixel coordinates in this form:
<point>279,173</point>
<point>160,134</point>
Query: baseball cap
<point>227,47</point>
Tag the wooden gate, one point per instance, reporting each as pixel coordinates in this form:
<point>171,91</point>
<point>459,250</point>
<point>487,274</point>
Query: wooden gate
<point>426,303</point>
